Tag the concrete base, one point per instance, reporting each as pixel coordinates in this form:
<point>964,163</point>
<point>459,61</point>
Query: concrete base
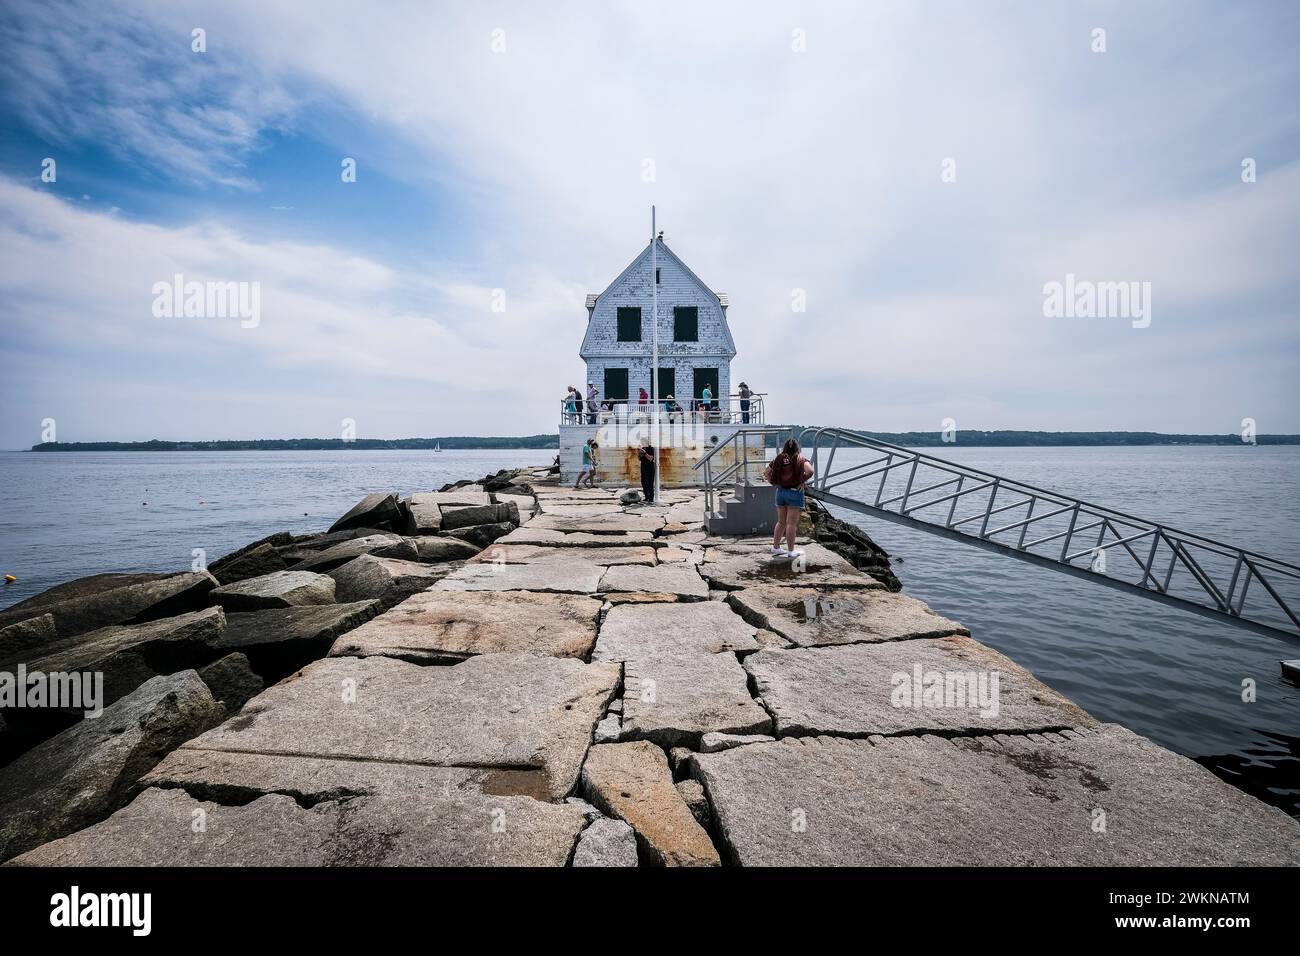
<point>682,442</point>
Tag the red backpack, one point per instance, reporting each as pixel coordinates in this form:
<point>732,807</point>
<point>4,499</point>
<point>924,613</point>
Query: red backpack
<point>787,472</point>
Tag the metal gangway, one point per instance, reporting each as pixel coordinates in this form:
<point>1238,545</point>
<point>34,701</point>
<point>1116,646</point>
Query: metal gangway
<point>1047,528</point>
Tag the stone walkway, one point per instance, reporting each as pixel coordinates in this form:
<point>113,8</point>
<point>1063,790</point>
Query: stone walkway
<point>607,685</point>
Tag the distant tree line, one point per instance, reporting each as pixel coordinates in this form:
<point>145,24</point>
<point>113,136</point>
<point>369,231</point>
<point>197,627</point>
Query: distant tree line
<point>974,438</point>
<point>308,444</point>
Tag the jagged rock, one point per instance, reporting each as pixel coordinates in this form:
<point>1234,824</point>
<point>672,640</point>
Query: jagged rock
<point>481,535</point>
<point>631,781</point>
<point>456,498</point>
<point>679,758</point>
<point>373,511</point>
<point>810,616</point>
<point>692,792</point>
<point>78,777</point>
<point>252,559</point>
<point>606,842</point>
<point>387,580</point>
<point>380,830</point>
<point>943,685</point>
<point>712,743</point>
<point>630,497</point>
<point>521,712</point>
<point>27,637</point>
<point>441,627</point>
<point>1004,800</point>
<point>573,577</point>
<point>380,545</point>
<point>303,547</point>
<point>670,630</point>
<point>129,655</point>
<point>679,579</point>
<point>423,516</point>
<point>254,632</point>
<point>465,516</point>
<point>430,549</point>
<point>281,589</point>
<point>525,505</point>
<point>231,681</point>
<point>98,605</point>
<point>80,588</point>
<point>608,730</point>
<point>253,563</point>
<point>588,811</point>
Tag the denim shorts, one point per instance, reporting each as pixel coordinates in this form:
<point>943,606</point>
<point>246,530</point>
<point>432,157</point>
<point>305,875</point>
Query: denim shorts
<point>789,498</point>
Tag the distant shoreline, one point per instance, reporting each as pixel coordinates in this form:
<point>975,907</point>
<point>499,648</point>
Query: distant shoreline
<point>970,439</point>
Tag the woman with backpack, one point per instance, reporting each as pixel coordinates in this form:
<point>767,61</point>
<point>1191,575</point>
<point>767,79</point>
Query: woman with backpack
<point>788,471</point>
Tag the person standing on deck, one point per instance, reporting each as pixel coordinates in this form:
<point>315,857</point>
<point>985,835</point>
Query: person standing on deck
<point>591,403</point>
<point>643,400</point>
<point>788,471</point>
<point>745,393</point>
<point>706,401</point>
<point>649,461</point>
<point>572,401</point>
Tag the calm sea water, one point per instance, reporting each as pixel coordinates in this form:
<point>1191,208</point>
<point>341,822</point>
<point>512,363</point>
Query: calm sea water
<point>1169,675</point>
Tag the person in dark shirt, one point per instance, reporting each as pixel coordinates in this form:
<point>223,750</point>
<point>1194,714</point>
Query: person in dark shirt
<point>648,464</point>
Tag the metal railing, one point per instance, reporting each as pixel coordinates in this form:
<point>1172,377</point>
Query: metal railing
<point>731,410</point>
<point>1055,530</point>
<point>751,453</point>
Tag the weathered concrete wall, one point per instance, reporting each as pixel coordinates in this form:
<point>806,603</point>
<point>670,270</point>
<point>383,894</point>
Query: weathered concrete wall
<point>681,446</point>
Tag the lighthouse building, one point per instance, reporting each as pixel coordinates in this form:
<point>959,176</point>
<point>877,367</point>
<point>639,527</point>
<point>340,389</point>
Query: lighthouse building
<point>695,353</point>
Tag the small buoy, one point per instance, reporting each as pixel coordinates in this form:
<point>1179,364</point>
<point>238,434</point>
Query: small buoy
<point>10,579</point>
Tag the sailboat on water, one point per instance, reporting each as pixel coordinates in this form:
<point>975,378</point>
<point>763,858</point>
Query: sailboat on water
<point>437,446</point>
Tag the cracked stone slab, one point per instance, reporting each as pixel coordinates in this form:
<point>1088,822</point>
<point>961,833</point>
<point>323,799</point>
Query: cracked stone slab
<point>674,700</point>
<point>520,711</point>
<point>440,626</point>
<point>670,630</point>
<point>752,567</point>
<point>232,776</point>
<point>632,781</point>
<point>578,539</point>
<point>470,830</point>
<point>680,579</point>
<point>536,554</point>
<point>598,524</point>
<point>986,801</point>
<point>569,577</point>
<point>575,509</point>
<point>813,616</point>
<point>278,589</point>
<point>930,685</point>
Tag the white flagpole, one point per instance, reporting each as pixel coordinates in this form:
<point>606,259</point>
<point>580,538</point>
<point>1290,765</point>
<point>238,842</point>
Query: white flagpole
<point>654,370</point>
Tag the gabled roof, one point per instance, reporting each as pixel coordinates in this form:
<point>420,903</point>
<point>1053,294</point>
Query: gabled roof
<point>663,248</point>
<point>640,257</point>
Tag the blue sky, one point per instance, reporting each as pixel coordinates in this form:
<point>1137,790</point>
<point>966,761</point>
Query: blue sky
<point>520,167</point>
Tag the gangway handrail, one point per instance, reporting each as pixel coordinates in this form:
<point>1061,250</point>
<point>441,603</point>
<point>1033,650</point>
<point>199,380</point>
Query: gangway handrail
<point>1224,599</point>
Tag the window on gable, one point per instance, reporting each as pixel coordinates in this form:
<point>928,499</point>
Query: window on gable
<point>629,323</point>
<point>686,323</point>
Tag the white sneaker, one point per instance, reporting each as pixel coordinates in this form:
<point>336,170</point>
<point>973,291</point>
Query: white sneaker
<point>797,553</point>
<point>780,551</point>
